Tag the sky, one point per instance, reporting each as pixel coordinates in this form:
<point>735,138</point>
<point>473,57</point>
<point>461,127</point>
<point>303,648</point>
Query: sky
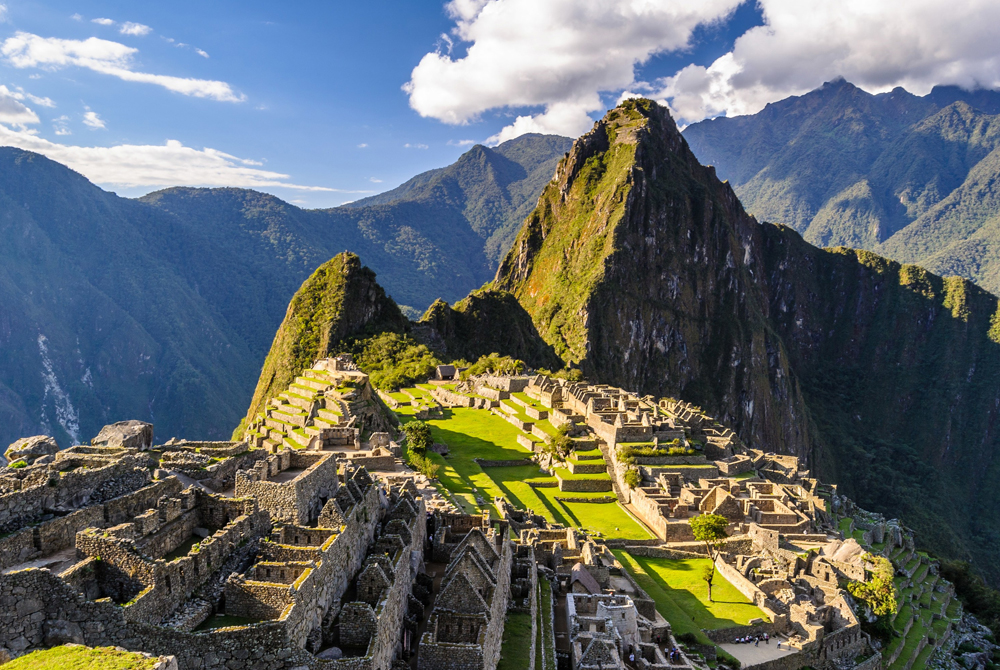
<point>322,103</point>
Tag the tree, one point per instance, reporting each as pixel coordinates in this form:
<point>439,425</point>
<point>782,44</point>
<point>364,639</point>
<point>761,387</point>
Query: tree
<point>562,442</point>
<point>879,591</point>
<point>710,529</point>
<point>418,436</point>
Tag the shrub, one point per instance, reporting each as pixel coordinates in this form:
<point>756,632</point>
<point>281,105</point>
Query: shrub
<point>569,374</point>
<point>688,638</point>
<point>879,592</point>
<point>495,364</point>
<point>20,463</point>
<point>418,437</point>
<point>425,466</point>
<point>562,442</point>
<point>632,478</point>
<point>393,361</point>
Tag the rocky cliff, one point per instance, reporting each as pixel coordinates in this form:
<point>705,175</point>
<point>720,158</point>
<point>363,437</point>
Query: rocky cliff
<point>642,267</point>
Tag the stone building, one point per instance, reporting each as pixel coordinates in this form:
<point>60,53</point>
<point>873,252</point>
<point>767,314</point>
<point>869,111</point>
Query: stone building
<point>465,628</point>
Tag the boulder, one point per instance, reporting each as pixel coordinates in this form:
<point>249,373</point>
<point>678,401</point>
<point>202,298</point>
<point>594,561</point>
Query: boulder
<point>128,434</point>
<point>30,448</point>
<point>331,654</point>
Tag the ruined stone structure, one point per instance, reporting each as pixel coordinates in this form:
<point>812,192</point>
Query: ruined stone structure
<point>125,543</point>
<point>465,628</point>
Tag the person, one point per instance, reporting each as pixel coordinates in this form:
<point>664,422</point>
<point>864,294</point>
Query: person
<point>767,639</point>
<point>631,657</point>
<point>756,641</point>
<point>779,644</point>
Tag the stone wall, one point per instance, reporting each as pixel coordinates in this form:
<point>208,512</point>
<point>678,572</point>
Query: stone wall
<point>299,500</point>
<point>585,485</point>
<point>50,489</point>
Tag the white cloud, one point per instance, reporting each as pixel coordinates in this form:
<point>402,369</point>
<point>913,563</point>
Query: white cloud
<point>374,180</point>
<point>3,13</point>
<point>563,56</point>
<point>170,164</point>
<point>461,143</point>
<point>26,50</point>
<point>415,146</point>
<point>102,22</point>
<point>201,52</point>
<point>12,110</point>
<point>876,44</point>
<point>363,145</point>
<point>92,120</point>
<point>139,29</point>
<point>556,54</point>
<point>59,125</point>
<point>38,100</point>
<point>76,17</point>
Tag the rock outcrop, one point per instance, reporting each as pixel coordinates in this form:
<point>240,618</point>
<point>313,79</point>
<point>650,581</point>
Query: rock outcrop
<point>30,448</point>
<point>130,434</point>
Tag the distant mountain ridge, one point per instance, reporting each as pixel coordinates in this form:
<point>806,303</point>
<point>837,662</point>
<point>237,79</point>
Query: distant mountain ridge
<point>906,176</point>
<point>163,308</point>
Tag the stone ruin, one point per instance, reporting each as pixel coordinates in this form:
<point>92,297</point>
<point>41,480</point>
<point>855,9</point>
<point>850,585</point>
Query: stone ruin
<point>283,551</point>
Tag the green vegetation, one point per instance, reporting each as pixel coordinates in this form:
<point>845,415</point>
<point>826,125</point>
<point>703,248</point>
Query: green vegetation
<point>471,433</point>
<point>424,465</point>
<point>393,360</point>
<point>81,658</point>
<point>494,364</point>
<point>679,591</point>
<point>710,529</point>
<point>19,463</point>
<point>418,437</point>
<point>879,592</point>
<point>515,654</point>
<point>977,596</point>
<point>632,478</point>
<point>341,300</point>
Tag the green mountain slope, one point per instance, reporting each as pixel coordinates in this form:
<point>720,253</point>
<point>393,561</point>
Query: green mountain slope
<point>491,189</point>
<point>163,308</point>
<point>906,176</point>
<point>341,299</point>
<point>642,267</point>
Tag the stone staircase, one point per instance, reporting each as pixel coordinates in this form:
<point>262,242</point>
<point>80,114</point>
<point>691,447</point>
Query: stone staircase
<point>296,416</point>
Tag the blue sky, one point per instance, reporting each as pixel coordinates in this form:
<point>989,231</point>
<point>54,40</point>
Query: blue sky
<point>314,91</point>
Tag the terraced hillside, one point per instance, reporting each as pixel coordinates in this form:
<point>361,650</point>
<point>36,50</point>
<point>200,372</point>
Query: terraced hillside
<point>490,442</point>
<point>317,399</point>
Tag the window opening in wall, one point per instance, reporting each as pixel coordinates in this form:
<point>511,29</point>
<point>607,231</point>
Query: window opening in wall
<point>168,583</point>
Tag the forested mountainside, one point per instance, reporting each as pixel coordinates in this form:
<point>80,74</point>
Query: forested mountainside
<point>163,308</point>
<point>908,177</point>
<point>643,268</point>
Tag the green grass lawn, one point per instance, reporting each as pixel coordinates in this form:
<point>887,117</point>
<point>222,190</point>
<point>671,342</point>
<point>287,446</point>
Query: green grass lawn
<point>515,654</point>
<point>686,596</point>
<point>81,658</point>
<point>475,433</point>
<point>521,395</point>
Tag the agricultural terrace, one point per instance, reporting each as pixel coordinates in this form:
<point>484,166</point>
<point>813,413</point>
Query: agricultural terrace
<point>478,433</point>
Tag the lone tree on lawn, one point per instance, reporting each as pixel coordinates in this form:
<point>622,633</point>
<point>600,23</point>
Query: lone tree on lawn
<point>710,529</point>
<point>418,435</point>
